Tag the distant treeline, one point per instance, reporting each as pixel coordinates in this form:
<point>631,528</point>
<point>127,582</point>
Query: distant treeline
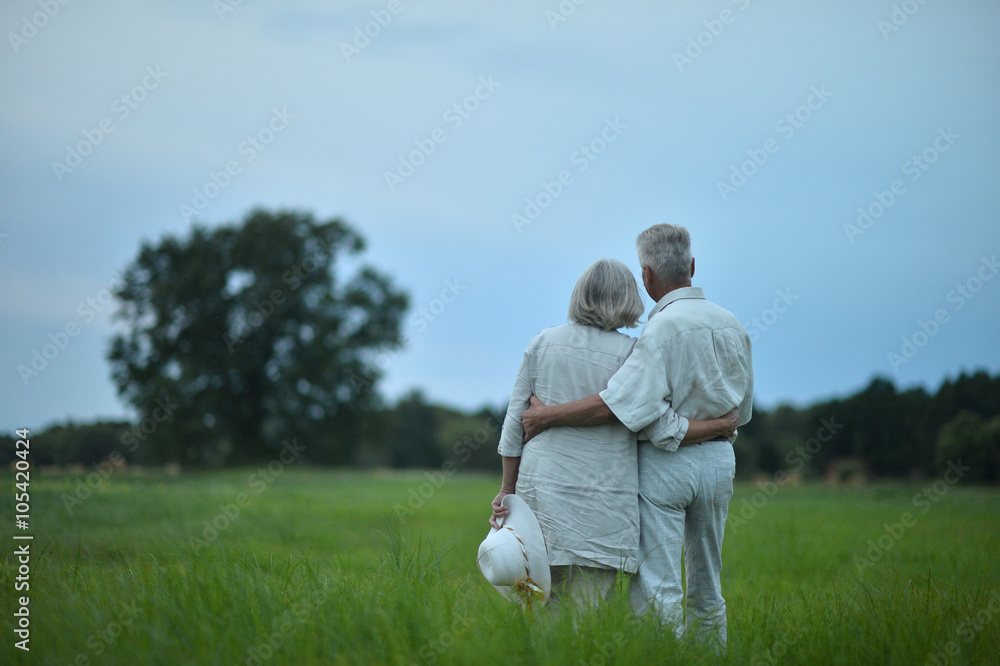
<point>879,432</point>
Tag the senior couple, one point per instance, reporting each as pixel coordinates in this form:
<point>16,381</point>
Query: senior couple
<point>622,447</point>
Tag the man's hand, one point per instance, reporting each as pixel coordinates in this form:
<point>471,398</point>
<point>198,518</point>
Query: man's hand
<point>499,511</point>
<point>531,418</point>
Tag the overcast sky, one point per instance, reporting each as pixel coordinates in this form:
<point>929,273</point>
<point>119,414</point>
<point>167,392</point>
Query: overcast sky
<point>490,151</point>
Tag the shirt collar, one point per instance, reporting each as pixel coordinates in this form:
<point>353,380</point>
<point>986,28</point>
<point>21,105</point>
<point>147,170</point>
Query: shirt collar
<point>677,295</point>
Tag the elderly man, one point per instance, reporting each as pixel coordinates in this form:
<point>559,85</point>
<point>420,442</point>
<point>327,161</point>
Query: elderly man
<point>693,357</point>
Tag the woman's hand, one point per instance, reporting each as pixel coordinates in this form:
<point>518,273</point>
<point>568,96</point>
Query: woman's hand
<point>499,511</point>
<point>728,423</point>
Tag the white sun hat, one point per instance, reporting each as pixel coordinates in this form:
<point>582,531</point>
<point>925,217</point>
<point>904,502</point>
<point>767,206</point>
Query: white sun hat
<point>513,558</point>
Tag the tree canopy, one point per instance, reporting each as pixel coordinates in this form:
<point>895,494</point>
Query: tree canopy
<point>241,337</point>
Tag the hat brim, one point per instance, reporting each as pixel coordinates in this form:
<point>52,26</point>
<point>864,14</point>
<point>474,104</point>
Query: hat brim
<point>522,520</point>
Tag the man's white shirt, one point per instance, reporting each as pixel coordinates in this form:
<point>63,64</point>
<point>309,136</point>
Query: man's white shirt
<point>694,358</point>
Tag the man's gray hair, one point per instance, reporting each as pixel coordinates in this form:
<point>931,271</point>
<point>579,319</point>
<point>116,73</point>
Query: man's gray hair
<point>606,296</point>
<point>666,249</point>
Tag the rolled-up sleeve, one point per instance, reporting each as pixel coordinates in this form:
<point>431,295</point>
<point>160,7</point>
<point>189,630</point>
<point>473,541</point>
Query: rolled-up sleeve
<point>512,433</point>
<point>638,393</point>
<point>666,432</point>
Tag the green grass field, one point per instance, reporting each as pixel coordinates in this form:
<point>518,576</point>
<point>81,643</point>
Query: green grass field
<point>330,567</point>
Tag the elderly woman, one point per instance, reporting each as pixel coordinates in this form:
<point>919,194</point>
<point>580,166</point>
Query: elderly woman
<point>582,482</point>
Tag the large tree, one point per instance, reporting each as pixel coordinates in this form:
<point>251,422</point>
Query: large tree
<point>240,337</point>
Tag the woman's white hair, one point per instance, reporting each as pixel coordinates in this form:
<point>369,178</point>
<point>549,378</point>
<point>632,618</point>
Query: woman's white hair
<point>666,250</point>
<point>606,296</point>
